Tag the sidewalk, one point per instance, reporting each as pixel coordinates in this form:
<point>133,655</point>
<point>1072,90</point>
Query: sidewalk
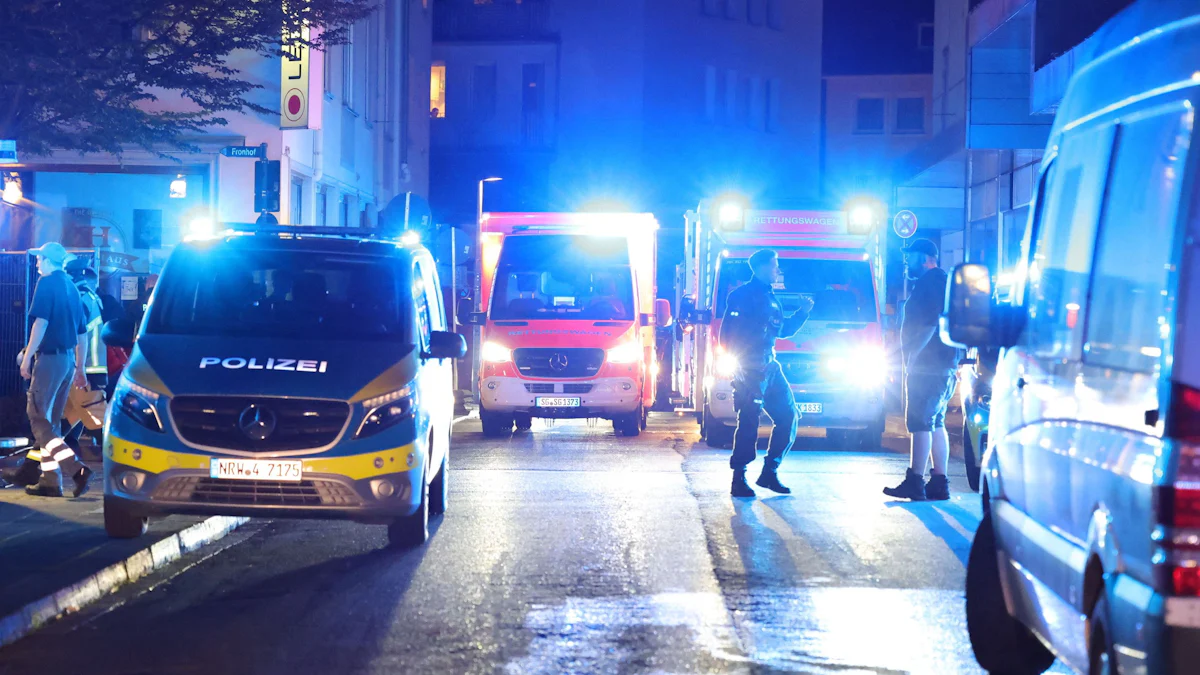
<point>55,556</point>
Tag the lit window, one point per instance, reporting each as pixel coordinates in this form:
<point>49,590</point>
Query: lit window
<point>437,91</point>
<point>910,116</point>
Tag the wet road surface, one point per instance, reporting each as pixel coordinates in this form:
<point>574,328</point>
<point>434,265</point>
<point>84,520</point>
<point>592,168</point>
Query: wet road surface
<point>567,550</point>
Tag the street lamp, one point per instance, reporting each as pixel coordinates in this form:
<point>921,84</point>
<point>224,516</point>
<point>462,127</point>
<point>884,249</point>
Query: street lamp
<point>12,193</point>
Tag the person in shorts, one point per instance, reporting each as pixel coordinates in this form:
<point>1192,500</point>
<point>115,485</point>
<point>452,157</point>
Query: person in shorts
<point>931,369</point>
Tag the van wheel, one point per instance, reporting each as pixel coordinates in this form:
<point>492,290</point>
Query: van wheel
<point>1102,657</point>
<point>495,425</point>
<point>871,438</point>
<point>412,531</point>
<point>842,439</point>
<point>629,425</point>
<point>121,522</point>
<point>524,422</point>
<point>439,489</point>
<point>719,434</point>
<point>971,459</point>
<point>645,419</point>
<point>1002,644</point>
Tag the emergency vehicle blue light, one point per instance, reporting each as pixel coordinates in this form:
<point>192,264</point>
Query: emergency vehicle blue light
<point>201,228</point>
<point>410,238</point>
<point>862,216</point>
<point>730,212</point>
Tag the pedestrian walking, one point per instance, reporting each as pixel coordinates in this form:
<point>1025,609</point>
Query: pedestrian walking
<point>51,361</point>
<point>930,376</point>
<point>753,320</point>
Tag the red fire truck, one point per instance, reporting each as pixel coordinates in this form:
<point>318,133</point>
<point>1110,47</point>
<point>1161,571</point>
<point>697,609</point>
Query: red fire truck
<point>836,365</point>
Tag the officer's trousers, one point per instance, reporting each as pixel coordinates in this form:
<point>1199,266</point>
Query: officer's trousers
<point>48,390</point>
<point>756,390</point>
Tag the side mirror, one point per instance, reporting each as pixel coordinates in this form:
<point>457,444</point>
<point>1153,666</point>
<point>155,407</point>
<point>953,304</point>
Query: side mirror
<point>662,313</point>
<point>118,333</point>
<point>967,321</point>
<point>467,316</point>
<point>445,345</point>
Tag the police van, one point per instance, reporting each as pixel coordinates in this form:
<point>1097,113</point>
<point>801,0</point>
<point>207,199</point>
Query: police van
<point>287,373</point>
<point>1089,547</point>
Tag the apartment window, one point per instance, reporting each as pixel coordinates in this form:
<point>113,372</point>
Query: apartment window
<point>327,71</point>
<point>772,100</point>
<point>322,206</point>
<point>755,11</point>
<point>731,9</point>
<point>297,201</point>
<point>870,116</point>
<point>775,14</point>
<point>710,93</point>
<point>925,36</point>
<point>533,86</point>
<point>910,116</point>
<point>348,72</point>
<point>437,90</point>
<point>711,7</point>
<point>483,92</point>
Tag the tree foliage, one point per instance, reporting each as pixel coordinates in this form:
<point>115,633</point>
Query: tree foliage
<point>86,74</point>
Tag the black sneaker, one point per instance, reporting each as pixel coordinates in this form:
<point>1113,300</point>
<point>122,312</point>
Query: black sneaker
<point>25,475</point>
<point>49,485</point>
<point>770,480</point>
<point>912,488</point>
<point>938,488</point>
<point>740,487</point>
<point>81,479</point>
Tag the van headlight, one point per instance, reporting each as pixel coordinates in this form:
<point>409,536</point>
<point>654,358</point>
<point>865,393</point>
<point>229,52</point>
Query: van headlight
<point>866,366</point>
<point>726,365</point>
<point>384,412</point>
<point>495,353</point>
<point>137,403</point>
<point>630,352</point>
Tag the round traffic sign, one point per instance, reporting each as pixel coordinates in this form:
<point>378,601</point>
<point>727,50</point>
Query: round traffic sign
<point>905,224</point>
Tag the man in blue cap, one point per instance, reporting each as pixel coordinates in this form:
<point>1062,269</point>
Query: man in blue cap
<point>931,368</point>
<point>51,361</point>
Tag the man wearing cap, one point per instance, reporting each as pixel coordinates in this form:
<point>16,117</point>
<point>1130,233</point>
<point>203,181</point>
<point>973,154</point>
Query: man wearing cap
<point>930,376</point>
<point>52,359</point>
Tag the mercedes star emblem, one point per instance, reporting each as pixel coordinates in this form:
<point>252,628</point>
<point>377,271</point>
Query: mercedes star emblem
<point>558,362</point>
<point>257,423</point>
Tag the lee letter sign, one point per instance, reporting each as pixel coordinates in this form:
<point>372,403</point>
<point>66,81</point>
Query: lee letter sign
<point>293,82</point>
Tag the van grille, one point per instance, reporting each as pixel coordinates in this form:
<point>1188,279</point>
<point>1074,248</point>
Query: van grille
<point>550,388</point>
<point>228,422</point>
<point>558,363</point>
<point>539,387</point>
<point>800,368</point>
<point>200,490</point>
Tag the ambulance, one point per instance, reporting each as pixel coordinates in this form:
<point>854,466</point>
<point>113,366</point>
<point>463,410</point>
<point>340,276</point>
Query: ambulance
<point>567,312</point>
<point>836,366</point>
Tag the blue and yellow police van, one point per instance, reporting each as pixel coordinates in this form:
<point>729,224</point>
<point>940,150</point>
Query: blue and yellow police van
<point>288,372</point>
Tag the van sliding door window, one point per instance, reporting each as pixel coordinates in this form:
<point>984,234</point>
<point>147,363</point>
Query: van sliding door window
<point>1130,292</point>
<point>1061,263</point>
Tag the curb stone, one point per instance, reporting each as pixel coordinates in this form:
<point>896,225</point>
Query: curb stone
<point>76,596</point>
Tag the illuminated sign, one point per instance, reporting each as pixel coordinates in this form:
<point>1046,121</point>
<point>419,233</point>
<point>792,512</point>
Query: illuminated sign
<point>293,82</point>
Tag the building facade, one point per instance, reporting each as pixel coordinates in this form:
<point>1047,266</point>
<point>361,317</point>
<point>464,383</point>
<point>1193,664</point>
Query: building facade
<point>366,141</point>
<point>640,104</point>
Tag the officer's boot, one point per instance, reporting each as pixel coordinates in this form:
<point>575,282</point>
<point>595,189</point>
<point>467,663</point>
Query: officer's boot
<point>912,488</point>
<point>770,480</point>
<point>938,488</point>
<point>740,487</point>
<point>25,474</point>
<point>49,485</point>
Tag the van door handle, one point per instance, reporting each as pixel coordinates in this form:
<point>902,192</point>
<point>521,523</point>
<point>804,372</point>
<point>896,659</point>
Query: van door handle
<point>1152,417</point>
<point>1021,383</point>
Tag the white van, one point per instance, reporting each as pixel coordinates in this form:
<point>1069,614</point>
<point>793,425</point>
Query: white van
<point>1089,548</point>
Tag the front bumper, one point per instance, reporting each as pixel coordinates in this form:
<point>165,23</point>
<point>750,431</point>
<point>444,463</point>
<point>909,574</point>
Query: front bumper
<point>841,407</point>
<point>375,487</point>
<point>605,396</point>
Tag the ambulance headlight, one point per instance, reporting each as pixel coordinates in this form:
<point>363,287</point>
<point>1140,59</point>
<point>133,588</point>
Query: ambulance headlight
<point>495,353</point>
<point>386,411</point>
<point>137,403</point>
<point>630,352</point>
<point>866,367</point>
<point>726,365</point>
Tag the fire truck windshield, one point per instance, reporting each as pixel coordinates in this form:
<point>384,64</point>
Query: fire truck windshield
<point>561,276</point>
<point>841,290</point>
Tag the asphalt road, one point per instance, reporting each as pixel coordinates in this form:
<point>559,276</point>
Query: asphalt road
<point>567,550</point>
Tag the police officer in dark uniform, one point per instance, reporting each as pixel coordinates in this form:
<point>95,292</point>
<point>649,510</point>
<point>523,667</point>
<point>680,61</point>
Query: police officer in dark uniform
<point>753,321</point>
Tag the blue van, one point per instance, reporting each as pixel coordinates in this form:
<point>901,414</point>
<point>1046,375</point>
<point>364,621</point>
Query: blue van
<point>1089,548</point>
<point>287,374</point>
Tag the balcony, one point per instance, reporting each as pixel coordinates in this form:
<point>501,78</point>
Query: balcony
<point>467,21</point>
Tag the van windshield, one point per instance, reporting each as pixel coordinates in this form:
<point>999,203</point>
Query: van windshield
<point>563,277</point>
<point>842,290</point>
<point>281,294</point>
